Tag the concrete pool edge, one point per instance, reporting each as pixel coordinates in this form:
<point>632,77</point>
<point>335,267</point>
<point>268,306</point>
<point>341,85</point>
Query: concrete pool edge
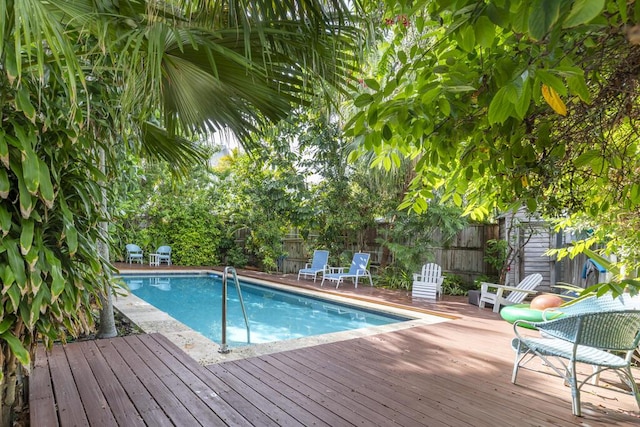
<point>205,351</point>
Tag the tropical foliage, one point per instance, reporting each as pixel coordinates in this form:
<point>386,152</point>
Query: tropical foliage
<point>509,103</point>
<point>84,83</point>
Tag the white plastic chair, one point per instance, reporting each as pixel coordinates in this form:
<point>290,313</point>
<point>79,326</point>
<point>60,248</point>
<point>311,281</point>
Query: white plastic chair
<point>428,283</point>
<point>516,294</point>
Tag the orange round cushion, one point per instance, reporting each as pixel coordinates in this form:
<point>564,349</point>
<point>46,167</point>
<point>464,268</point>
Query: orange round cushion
<point>546,301</point>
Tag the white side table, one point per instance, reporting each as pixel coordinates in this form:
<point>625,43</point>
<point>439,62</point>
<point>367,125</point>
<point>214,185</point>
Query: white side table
<point>154,260</point>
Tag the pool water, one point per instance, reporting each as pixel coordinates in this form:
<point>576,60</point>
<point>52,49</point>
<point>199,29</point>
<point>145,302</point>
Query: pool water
<point>274,315</point>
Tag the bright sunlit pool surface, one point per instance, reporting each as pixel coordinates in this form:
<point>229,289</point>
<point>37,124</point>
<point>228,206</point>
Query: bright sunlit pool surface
<point>274,315</point>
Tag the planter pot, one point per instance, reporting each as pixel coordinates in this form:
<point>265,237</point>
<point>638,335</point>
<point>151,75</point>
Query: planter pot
<point>474,297</point>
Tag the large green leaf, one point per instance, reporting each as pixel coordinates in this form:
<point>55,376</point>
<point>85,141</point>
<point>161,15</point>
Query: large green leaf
<point>23,103</point>
<point>31,169</point>
<point>485,31</point>
<point>500,107</point>
<point>4,149</point>
<point>5,220</point>
<point>16,262</point>
<point>17,348</point>
<point>27,202</point>
<point>46,187</point>
<point>584,11</point>
<point>26,236</point>
<point>543,14</point>
<point>5,185</point>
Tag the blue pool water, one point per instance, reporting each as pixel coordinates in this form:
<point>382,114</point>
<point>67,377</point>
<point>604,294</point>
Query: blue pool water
<point>274,315</point>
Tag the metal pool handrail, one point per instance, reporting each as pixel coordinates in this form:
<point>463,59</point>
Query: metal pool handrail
<point>224,348</point>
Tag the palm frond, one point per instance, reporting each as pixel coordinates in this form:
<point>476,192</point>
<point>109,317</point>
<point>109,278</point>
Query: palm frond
<point>179,152</point>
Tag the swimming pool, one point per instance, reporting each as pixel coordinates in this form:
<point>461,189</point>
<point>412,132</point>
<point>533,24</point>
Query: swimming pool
<point>274,315</point>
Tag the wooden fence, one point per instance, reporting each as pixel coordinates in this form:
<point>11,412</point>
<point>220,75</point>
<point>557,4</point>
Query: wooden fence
<point>463,255</point>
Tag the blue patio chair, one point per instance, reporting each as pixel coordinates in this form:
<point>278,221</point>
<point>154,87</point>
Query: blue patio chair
<point>358,269</point>
<point>319,264</point>
<point>591,338</point>
<point>162,255</point>
<point>134,253</point>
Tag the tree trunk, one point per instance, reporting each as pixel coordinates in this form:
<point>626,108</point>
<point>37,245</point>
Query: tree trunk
<point>8,386</point>
<point>107,326</point>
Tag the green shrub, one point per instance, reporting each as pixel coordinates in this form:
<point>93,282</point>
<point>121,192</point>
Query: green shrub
<point>454,285</point>
<point>393,277</point>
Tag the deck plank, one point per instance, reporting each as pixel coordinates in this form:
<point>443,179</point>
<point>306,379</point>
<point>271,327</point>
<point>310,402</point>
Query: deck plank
<point>252,394</point>
<point>252,414</point>
<point>95,404</point>
<point>410,387</point>
<point>70,409</point>
<point>275,392</point>
<point>297,391</point>
<point>124,411</point>
<point>376,397</point>
<point>41,397</point>
<point>166,389</point>
<point>316,391</point>
<point>385,393</point>
<point>184,367</point>
<point>350,395</point>
<point>131,381</point>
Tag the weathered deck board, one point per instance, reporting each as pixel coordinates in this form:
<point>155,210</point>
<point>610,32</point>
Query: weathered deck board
<point>41,399</point>
<point>121,406</point>
<point>160,386</point>
<point>456,373</point>
<point>97,410</point>
<point>136,391</point>
<point>67,396</point>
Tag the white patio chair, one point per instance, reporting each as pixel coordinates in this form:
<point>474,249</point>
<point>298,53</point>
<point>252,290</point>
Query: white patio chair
<point>428,283</point>
<point>515,295</point>
<point>161,255</point>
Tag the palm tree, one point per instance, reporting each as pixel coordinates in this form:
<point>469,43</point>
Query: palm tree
<point>80,77</point>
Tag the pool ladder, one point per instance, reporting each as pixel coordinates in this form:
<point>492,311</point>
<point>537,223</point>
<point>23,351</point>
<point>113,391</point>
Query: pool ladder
<point>224,348</point>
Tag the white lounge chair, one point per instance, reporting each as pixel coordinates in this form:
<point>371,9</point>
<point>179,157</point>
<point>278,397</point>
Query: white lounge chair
<point>428,283</point>
<point>319,264</point>
<point>358,269</point>
<point>516,294</point>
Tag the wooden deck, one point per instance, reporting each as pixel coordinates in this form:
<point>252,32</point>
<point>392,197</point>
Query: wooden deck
<point>455,373</point>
